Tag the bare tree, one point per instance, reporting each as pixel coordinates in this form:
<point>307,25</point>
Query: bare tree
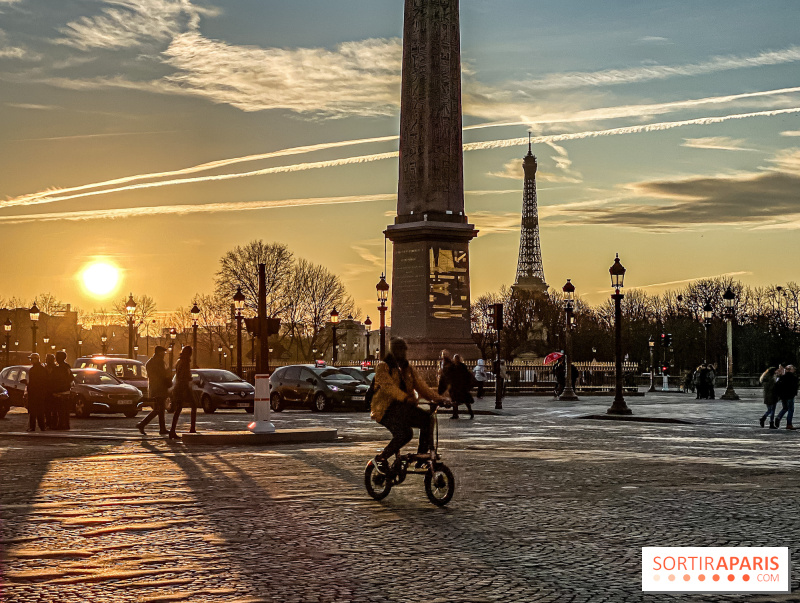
<point>239,268</point>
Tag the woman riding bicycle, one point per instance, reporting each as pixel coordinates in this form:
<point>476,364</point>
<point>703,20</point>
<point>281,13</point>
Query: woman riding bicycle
<point>398,391</point>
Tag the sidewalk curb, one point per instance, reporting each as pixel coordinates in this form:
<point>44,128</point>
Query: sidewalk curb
<point>636,419</point>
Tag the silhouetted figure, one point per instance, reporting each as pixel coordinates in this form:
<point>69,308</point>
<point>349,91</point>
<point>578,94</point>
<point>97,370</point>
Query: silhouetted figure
<point>770,396</point>
<point>786,387</point>
<point>480,376</point>
<point>61,381</point>
<point>182,390</point>
<point>37,388</point>
<point>51,404</point>
<point>560,373</point>
<point>159,379</point>
<point>457,380</point>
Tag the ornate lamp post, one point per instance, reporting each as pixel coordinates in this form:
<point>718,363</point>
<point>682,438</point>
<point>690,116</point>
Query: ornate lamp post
<point>730,315</point>
<point>130,308</point>
<point>368,327</point>
<point>103,340</point>
<point>7,329</point>
<point>34,312</point>
<point>173,333</point>
<point>46,340</point>
<point>617,272</point>
<point>195,311</point>
<point>569,305</point>
<point>334,322</point>
<point>383,294</point>
<point>219,351</point>
<point>708,314</point>
<point>238,302</point>
<point>651,343</point>
<point>230,347</point>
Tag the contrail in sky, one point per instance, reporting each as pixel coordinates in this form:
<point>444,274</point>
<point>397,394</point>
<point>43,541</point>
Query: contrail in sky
<point>55,196</point>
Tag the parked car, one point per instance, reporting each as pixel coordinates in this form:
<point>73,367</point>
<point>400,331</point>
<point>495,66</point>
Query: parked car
<point>14,379</point>
<point>5,404</point>
<point>364,374</point>
<point>96,391</point>
<point>318,387</point>
<point>215,388</point>
<point>126,370</point>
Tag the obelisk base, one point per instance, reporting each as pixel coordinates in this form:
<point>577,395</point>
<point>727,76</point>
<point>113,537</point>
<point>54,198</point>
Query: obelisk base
<point>430,288</point>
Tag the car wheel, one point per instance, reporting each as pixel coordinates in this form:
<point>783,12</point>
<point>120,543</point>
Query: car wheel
<point>169,405</point>
<point>276,402</point>
<point>4,410</point>
<point>82,408</point>
<point>208,405</point>
<point>320,403</point>
<point>131,413</point>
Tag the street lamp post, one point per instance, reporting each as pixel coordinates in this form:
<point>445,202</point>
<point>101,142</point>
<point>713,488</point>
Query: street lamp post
<point>195,311</point>
<point>173,333</point>
<point>617,272</point>
<point>708,314</point>
<point>334,322</point>
<point>238,301</point>
<point>368,327</point>
<point>569,305</point>
<point>231,349</point>
<point>219,351</point>
<point>103,340</point>
<point>383,294</point>
<point>34,312</point>
<point>7,328</point>
<point>651,343</point>
<point>730,315</point>
<point>130,308</point>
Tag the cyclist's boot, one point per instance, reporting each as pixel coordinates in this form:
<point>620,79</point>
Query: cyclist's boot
<point>381,464</point>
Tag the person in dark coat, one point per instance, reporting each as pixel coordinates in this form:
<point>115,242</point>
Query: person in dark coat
<point>51,403</point>
<point>36,389</point>
<point>159,379</point>
<point>786,388</point>
<point>560,372</point>
<point>767,380</point>
<point>182,391</point>
<point>62,379</point>
<point>457,379</point>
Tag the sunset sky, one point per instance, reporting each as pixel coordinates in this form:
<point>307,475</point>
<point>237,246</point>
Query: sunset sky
<point>158,134</point>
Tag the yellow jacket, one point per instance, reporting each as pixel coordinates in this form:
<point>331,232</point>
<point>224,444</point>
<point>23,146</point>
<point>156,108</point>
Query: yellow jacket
<point>388,390</point>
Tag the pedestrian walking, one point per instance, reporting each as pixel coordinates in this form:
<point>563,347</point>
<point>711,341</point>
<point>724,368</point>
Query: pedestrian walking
<point>560,372</point>
<point>50,404</point>
<point>480,376</point>
<point>457,380</point>
<point>182,391</point>
<point>767,381</point>
<point>711,377</point>
<point>786,388</point>
<point>61,381</point>
<point>700,375</point>
<point>37,393</point>
<point>159,379</point>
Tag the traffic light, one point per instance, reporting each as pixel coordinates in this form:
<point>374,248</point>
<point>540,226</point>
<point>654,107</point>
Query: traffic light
<point>497,311</point>
<point>663,340</point>
<point>669,340</point>
<point>665,369</point>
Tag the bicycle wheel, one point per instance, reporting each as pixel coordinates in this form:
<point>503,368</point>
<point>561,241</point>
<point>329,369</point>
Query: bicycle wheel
<point>440,485</point>
<point>377,483</point>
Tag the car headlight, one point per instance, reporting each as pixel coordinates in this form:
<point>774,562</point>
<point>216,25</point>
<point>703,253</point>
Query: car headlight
<point>333,388</point>
<point>96,394</point>
<point>218,390</point>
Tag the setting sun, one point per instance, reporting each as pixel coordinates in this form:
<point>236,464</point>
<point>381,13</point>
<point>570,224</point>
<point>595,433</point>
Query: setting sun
<point>100,278</point>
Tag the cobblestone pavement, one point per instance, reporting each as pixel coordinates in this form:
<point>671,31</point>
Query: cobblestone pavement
<point>548,507</point>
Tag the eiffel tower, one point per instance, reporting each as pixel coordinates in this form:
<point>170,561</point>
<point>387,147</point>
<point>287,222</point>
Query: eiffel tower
<point>530,272</point>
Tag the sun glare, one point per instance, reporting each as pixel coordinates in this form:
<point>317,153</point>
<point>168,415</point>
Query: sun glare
<point>100,278</point>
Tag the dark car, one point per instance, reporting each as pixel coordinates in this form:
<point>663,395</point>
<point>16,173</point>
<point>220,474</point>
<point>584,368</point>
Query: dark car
<point>364,374</point>
<point>126,370</point>
<point>15,380</point>
<point>96,391</point>
<point>318,387</point>
<point>5,404</point>
<point>215,388</point>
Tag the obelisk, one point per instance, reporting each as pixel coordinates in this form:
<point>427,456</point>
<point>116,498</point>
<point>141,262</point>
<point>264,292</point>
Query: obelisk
<point>431,233</point>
